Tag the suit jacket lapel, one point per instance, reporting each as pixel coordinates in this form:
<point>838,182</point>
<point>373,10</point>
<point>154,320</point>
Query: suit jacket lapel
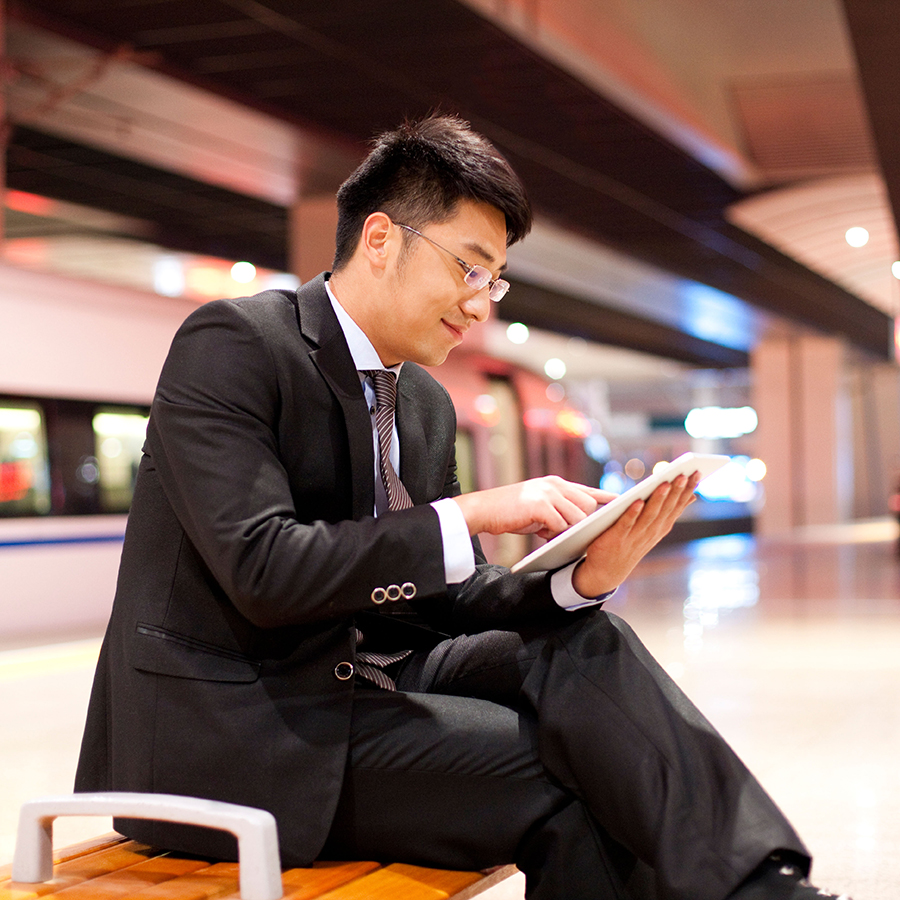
<point>333,360</point>
<point>413,442</point>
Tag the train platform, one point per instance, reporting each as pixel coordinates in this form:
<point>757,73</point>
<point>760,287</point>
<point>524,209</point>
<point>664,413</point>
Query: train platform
<point>790,646</point>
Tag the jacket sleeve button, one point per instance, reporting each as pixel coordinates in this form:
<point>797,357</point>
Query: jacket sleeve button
<point>379,595</point>
<point>343,671</point>
<point>408,590</point>
<point>393,593</point>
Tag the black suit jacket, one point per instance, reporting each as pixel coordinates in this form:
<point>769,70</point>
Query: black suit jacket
<point>250,554</point>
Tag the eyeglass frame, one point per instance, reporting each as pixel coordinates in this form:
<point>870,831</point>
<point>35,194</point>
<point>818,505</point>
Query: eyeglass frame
<point>497,285</point>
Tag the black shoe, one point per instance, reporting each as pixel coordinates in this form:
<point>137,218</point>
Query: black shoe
<point>779,879</point>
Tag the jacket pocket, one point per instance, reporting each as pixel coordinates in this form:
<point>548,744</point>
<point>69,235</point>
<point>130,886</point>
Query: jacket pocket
<point>164,652</point>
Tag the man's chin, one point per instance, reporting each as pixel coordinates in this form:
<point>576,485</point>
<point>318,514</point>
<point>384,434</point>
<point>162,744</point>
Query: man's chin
<point>430,356</point>
<point>431,362</point>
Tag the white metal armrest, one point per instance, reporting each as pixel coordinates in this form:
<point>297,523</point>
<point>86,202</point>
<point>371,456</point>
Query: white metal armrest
<point>255,830</point>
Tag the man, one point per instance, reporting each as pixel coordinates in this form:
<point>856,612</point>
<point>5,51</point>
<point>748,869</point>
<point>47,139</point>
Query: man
<point>298,628</point>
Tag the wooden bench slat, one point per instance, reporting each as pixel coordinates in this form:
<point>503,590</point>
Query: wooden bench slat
<point>214,880</point>
<point>114,868</point>
<point>81,868</point>
<point>63,854</point>
<point>94,845</point>
<point>399,881</point>
<point>310,884</point>
<point>220,880</point>
<point>512,879</point>
<point>132,879</point>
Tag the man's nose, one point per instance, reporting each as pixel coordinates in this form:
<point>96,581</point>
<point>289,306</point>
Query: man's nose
<point>478,306</point>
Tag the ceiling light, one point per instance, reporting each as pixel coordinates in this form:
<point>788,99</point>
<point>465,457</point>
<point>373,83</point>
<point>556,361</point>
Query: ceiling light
<point>555,369</point>
<point>517,333</point>
<point>857,237</point>
<point>243,272</point>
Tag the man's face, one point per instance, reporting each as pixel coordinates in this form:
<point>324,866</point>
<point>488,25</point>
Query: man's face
<point>431,307</point>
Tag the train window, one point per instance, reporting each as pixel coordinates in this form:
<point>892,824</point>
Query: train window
<point>24,473</point>
<point>465,461</point>
<point>118,438</point>
<point>506,447</point>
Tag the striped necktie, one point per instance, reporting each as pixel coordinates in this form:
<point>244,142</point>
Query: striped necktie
<point>385,402</point>
<point>370,665</point>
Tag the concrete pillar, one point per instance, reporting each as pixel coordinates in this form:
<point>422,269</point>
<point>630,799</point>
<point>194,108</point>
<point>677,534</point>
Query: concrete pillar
<point>771,368</point>
<point>875,392</point>
<point>805,434</point>
<point>312,222</point>
<point>825,444</point>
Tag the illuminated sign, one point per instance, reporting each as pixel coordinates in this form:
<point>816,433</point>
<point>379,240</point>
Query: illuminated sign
<point>715,422</point>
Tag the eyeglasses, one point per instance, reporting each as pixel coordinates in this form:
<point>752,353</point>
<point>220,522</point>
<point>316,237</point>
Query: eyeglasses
<point>476,277</point>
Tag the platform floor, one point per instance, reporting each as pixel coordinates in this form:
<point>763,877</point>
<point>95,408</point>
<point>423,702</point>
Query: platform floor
<point>791,647</point>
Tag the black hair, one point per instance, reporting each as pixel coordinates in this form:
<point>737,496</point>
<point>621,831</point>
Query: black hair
<point>418,174</point>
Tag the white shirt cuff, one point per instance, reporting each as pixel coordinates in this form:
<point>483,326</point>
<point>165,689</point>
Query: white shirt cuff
<point>459,557</point>
<point>564,593</point>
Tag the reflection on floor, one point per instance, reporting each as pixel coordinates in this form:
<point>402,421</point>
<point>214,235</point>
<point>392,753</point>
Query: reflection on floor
<point>791,648</point>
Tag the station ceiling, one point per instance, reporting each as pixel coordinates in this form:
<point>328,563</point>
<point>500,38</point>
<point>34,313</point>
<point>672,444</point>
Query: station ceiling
<point>350,68</point>
<point>875,31</point>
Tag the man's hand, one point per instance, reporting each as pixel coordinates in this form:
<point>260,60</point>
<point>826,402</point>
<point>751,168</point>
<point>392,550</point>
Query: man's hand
<point>543,506</point>
<point>613,555</point>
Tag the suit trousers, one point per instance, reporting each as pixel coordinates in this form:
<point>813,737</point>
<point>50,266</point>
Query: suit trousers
<point>562,747</point>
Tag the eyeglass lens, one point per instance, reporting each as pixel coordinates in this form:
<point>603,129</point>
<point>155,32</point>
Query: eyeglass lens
<point>478,277</point>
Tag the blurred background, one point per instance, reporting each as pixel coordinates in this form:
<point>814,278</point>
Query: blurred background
<point>714,267</point>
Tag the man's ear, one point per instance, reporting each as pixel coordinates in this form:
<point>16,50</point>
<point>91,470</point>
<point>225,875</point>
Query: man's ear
<point>379,240</point>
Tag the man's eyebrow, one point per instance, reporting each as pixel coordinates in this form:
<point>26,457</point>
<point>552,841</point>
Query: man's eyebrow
<point>476,248</point>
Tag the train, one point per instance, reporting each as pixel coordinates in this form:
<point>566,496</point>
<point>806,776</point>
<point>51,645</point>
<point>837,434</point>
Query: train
<point>79,361</point>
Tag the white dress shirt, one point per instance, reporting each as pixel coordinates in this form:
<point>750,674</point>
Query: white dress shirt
<point>459,557</point>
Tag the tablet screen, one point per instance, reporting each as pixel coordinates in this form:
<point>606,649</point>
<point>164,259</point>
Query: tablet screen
<point>573,542</point>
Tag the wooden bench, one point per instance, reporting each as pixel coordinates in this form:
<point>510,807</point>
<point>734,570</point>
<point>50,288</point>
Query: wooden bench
<point>115,868</point>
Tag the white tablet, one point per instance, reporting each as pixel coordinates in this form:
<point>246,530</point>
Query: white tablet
<point>574,541</point>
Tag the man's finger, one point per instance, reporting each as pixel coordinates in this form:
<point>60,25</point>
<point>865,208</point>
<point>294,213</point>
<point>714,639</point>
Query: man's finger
<point>630,517</point>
